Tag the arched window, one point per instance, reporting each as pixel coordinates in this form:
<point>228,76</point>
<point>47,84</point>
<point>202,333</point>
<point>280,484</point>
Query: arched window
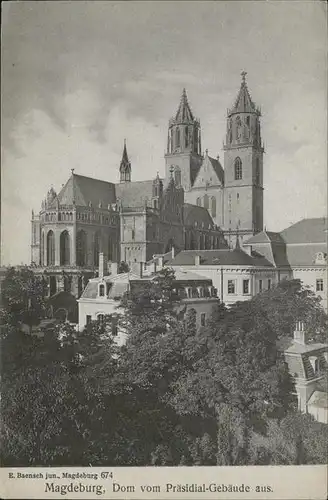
<point>177,176</point>
<point>109,248</point>
<point>67,283</point>
<point>199,202</point>
<point>196,141</point>
<point>257,172</point>
<point>100,319</point>
<point>53,285</point>
<point>213,203</point>
<point>186,137</point>
<point>50,248</point>
<point>177,138</point>
<point>206,202</point>
<point>96,246</point>
<point>238,169</point>
<point>64,249</point>
<point>42,250</point>
<point>79,286</point>
<point>81,248</point>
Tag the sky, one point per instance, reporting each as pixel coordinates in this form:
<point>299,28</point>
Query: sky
<point>79,77</point>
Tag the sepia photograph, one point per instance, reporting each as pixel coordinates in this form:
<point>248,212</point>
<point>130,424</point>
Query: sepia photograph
<point>163,279</point>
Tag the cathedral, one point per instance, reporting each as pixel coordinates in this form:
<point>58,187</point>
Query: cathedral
<point>197,205</point>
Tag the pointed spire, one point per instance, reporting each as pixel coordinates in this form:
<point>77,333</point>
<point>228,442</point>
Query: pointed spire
<point>125,166</point>
<point>184,113</point>
<point>125,158</point>
<point>243,103</point>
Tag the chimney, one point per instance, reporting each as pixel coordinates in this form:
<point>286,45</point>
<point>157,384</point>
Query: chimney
<point>300,333</point>
<point>197,260</point>
<point>173,252</point>
<point>113,268</point>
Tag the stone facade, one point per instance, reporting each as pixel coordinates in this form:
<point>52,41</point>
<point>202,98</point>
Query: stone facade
<point>197,205</point>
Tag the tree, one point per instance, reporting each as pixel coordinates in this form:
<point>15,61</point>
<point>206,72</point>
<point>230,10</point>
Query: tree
<point>123,267</point>
<point>23,297</point>
<point>289,302</point>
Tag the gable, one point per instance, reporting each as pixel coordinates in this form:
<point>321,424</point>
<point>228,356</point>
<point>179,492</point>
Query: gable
<point>209,174</point>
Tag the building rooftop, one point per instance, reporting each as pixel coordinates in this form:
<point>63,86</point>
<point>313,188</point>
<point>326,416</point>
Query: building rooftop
<point>306,231</point>
<point>224,257</point>
<point>83,190</point>
<point>135,194</point>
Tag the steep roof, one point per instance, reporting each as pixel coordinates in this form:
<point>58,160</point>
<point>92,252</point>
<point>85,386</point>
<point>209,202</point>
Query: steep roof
<point>184,113</point>
<point>271,246</point>
<point>299,255</point>
<point>194,213</point>
<point>224,257</point>
<point>134,194</point>
<point>83,190</point>
<point>265,237</point>
<point>306,231</point>
<point>243,102</point>
<point>319,399</point>
<point>218,168</point>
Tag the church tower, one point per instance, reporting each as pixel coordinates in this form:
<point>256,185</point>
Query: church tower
<point>243,169</point>
<point>125,166</point>
<point>183,154</point>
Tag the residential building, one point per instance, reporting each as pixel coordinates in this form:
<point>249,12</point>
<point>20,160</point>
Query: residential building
<point>103,294</point>
<point>308,363</point>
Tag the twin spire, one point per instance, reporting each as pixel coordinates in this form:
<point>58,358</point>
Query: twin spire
<point>243,103</point>
<point>184,113</point>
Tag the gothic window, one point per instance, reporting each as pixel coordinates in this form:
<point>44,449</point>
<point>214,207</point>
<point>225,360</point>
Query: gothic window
<point>257,172</point>
<point>198,202</point>
<point>238,123</point>
<point>213,206</point>
<point>109,248</point>
<point>50,248</point>
<point>42,249</point>
<point>53,285</point>
<point>79,286</point>
<point>186,137</point>
<point>96,250</point>
<point>64,249</point>
<point>67,284</point>
<point>177,176</point>
<point>238,169</point>
<point>206,202</point>
<point>177,138</point>
<point>81,248</point>
<point>196,140</point>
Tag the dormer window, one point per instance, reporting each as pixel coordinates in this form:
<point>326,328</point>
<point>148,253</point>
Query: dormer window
<point>315,364</point>
<point>320,258</point>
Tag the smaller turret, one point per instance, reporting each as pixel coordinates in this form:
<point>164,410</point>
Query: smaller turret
<point>125,166</point>
<point>157,192</point>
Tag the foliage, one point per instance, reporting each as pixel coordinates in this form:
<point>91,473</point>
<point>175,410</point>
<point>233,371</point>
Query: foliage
<point>123,267</point>
<point>23,297</point>
<point>173,395</point>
